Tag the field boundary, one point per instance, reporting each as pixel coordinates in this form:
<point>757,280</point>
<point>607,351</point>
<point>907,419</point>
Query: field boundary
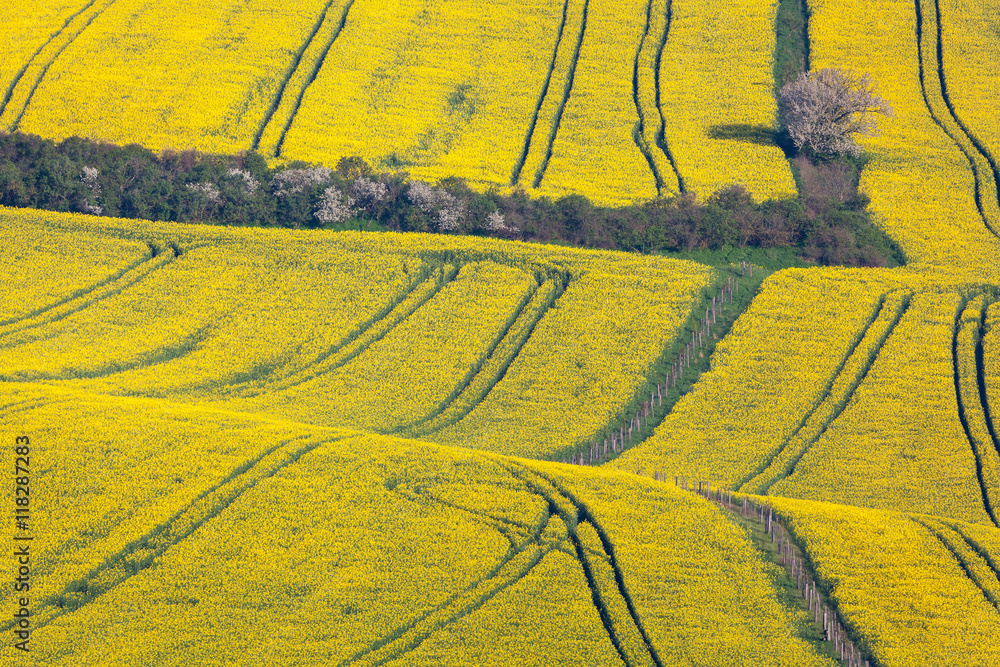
<point>625,429</point>
<point>788,552</point>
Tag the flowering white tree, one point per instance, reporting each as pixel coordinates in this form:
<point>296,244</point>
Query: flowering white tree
<point>89,178</point>
<point>208,190</point>
<point>293,181</point>
<point>448,209</point>
<point>495,222</point>
<point>334,207</point>
<point>367,192</point>
<point>249,182</point>
<point>823,109</point>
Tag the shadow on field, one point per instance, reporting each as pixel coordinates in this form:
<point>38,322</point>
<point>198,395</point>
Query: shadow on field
<point>762,135</point>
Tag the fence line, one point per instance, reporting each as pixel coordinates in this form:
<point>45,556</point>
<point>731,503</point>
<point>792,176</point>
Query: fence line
<point>823,613</point>
<point>598,452</point>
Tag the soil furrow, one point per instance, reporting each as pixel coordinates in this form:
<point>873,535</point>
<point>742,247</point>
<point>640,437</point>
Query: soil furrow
<point>946,541</point>
<point>399,635</point>
<point>389,317</point>
<point>477,394</point>
<point>638,136</point>
<point>111,288</point>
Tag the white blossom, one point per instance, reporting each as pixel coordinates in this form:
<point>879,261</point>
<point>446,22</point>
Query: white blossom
<point>495,222</point>
<point>367,192</point>
<point>422,195</point>
<point>90,175</point>
<point>248,180</point>
<point>822,109</point>
<point>208,190</point>
<point>334,207</point>
<point>89,178</point>
<point>449,210</point>
<point>292,181</point>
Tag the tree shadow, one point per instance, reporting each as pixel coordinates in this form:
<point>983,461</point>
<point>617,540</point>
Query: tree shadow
<point>761,135</point>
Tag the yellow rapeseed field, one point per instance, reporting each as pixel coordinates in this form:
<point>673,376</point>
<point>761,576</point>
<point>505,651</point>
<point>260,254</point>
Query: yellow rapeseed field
<point>558,97</point>
<point>595,149</point>
<point>50,269</point>
<point>890,453</point>
<point>920,182</point>
<point>198,536</point>
<point>508,347</point>
<point>969,44</point>
<point>899,581</point>
<point>765,378</point>
<point>167,74</point>
<point>716,94</point>
<point>256,446</point>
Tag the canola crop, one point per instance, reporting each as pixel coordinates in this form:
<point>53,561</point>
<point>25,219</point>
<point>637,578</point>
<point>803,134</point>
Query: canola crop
<point>920,182</point>
<point>899,584</point>
<point>459,340</point>
<point>969,44</point>
<point>766,377</point>
<point>418,364</point>
<point>48,269</point>
<point>692,559</point>
<point>287,542</point>
<point>716,95</point>
<point>562,392</point>
<point>889,453</point>
<point>177,74</point>
<point>202,488</point>
<point>557,96</point>
<point>594,150</point>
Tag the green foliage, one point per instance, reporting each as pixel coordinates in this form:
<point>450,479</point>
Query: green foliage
<point>826,224</point>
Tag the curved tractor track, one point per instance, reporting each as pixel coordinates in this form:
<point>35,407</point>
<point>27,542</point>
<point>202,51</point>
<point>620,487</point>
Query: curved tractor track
<point>934,86</point>
<point>849,375</point>
<point>59,41</point>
